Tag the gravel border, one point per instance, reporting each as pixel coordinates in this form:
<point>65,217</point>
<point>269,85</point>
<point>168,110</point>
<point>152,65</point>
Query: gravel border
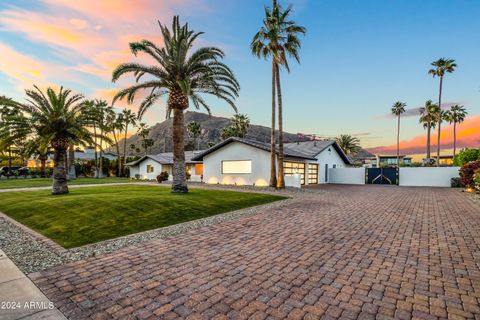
<point>33,252</point>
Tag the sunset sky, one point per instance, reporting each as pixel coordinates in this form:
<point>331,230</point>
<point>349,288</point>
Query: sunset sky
<point>358,57</point>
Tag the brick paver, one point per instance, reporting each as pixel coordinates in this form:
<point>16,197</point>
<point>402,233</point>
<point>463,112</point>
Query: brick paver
<point>352,252</point>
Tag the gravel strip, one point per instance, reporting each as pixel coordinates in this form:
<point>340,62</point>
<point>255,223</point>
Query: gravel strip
<point>31,254</point>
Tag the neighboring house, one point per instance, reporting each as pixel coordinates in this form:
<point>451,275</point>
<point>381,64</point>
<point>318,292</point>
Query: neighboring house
<point>445,160</point>
<point>150,166</point>
<point>247,162</point>
<point>367,159</point>
<point>80,155</point>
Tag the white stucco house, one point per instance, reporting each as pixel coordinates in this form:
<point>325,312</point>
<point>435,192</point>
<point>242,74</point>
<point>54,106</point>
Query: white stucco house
<point>247,162</point>
<point>150,166</point>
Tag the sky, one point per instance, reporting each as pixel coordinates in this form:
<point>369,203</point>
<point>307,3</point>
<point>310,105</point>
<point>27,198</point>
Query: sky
<point>357,58</point>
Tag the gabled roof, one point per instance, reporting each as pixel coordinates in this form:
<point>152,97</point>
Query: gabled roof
<point>167,158</point>
<point>314,148</point>
<point>292,150</point>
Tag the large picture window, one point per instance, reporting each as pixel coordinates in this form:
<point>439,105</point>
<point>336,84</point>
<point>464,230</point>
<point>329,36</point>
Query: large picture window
<point>236,166</point>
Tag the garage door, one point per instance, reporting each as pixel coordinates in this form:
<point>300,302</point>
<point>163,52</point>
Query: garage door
<point>312,173</point>
<point>290,168</point>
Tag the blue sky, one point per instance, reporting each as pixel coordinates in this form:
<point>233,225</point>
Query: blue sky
<point>358,57</point>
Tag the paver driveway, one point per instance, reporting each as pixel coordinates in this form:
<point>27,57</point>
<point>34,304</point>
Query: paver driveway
<point>348,251</point>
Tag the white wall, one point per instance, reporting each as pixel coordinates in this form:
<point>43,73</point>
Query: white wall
<point>347,175</point>
<point>142,169</point>
<point>427,177</point>
<point>212,165</point>
<point>294,181</point>
<point>133,171</point>
<point>328,157</point>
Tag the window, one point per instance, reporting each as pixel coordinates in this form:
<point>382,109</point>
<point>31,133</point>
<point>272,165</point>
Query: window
<point>150,168</point>
<point>236,166</point>
<point>326,172</point>
<point>290,168</point>
<point>312,173</point>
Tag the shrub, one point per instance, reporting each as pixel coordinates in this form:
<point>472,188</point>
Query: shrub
<point>163,176</point>
<point>465,156</point>
<point>477,180</point>
<point>455,182</point>
<point>467,171</point>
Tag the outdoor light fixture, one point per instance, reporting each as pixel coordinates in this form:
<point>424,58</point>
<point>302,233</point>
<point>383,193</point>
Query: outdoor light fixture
<point>469,189</point>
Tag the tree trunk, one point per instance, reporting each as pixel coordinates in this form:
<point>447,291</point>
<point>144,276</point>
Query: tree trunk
<point>9,172</point>
<point>439,121</point>
<point>124,160</point>
<point>72,175</point>
<point>100,160</point>
<point>179,170</point>
<point>454,138</point>
<point>398,141</point>
<point>119,165</point>
<point>428,142</point>
<point>59,171</point>
<point>95,150</point>
<point>43,161</point>
<point>281,178</point>
<point>273,153</point>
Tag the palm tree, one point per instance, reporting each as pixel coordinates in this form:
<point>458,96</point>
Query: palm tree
<point>428,118</point>
<point>10,134</point>
<point>40,148</point>
<point>456,114</point>
<point>182,73</point>
<point>350,145</point>
<point>115,126</point>
<point>441,66</point>
<point>94,112</point>
<point>241,123</point>
<point>277,38</point>
<point>194,129</point>
<point>57,118</point>
<point>129,118</point>
<point>397,109</point>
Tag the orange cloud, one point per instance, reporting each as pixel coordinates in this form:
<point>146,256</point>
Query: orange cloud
<point>468,135</point>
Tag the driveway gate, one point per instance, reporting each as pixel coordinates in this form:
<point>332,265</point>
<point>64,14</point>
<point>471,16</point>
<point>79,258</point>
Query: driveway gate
<point>382,176</point>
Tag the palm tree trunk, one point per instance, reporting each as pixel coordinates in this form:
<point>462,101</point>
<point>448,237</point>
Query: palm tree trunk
<point>43,161</point>
<point>100,160</point>
<point>119,165</point>
<point>179,171</point>
<point>95,150</point>
<point>72,175</point>
<point>454,138</point>
<point>273,153</point>
<point>428,142</point>
<point>280,179</point>
<point>9,163</point>
<point>398,141</point>
<point>124,160</point>
<point>59,172</point>
<point>439,121</point>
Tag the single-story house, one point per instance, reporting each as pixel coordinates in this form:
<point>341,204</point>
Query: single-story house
<point>150,166</point>
<point>366,159</point>
<point>247,162</point>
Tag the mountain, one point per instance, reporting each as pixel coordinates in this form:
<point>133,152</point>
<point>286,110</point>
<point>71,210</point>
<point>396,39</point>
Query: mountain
<point>161,133</point>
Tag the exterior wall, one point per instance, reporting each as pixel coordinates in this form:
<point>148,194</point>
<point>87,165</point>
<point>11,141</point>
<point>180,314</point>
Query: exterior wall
<point>328,157</point>
<point>293,181</point>
<point>347,175</point>
<point>212,165</point>
<point>142,169</point>
<point>133,171</point>
<point>427,177</point>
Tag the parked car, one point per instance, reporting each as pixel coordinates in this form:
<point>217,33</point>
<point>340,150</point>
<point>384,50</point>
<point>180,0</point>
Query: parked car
<point>5,171</point>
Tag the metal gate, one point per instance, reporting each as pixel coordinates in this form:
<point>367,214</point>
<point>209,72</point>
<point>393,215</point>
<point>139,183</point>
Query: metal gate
<point>382,176</point>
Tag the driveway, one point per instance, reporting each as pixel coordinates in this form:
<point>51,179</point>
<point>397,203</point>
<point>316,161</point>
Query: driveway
<point>348,252</point>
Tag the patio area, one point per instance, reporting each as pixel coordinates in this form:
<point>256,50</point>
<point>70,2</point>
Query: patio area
<point>340,251</point>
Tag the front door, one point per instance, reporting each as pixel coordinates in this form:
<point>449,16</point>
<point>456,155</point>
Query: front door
<point>312,173</point>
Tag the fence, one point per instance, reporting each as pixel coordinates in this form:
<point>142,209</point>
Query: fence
<point>346,175</point>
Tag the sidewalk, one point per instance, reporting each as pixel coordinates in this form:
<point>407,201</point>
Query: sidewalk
<point>20,298</point>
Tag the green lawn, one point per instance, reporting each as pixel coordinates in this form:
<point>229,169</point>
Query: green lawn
<point>92,214</point>
<point>13,183</point>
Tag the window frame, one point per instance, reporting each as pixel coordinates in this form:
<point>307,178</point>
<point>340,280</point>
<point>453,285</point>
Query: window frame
<point>248,160</point>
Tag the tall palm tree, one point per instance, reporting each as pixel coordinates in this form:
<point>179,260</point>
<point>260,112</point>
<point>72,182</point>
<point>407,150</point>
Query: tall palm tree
<point>182,73</point>
<point>428,118</point>
<point>278,38</point>
<point>9,133</point>
<point>397,109</point>
<point>441,66</point>
<point>129,118</point>
<point>115,126</point>
<point>241,123</point>
<point>194,129</point>
<point>57,118</point>
<point>349,144</point>
<point>456,114</point>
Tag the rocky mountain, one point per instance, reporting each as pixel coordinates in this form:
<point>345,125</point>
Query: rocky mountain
<point>161,133</point>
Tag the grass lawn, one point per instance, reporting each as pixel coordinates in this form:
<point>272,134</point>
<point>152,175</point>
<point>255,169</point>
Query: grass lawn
<point>13,183</point>
<point>92,214</point>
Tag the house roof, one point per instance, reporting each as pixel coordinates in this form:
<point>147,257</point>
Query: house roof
<point>304,150</point>
<point>167,158</point>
